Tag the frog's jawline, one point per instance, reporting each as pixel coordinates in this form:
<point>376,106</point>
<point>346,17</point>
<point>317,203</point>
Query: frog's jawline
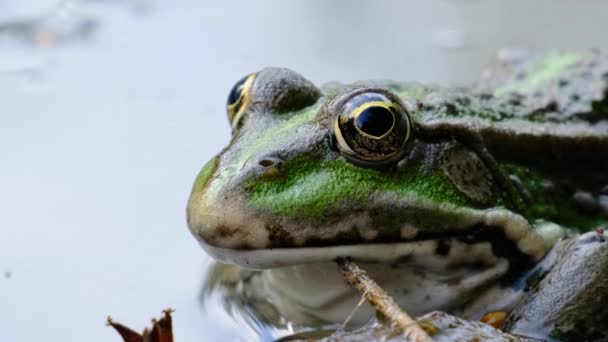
<point>508,233</point>
<point>281,257</point>
<point>480,251</point>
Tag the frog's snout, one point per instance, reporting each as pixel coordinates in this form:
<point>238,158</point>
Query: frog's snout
<point>225,223</point>
<point>217,214</point>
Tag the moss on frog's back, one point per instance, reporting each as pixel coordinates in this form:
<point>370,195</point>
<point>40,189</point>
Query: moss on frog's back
<point>549,87</point>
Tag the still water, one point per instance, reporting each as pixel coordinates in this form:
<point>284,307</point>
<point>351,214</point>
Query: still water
<point>109,109</point>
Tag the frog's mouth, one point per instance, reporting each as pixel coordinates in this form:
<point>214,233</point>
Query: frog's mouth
<point>463,235</point>
<point>485,249</point>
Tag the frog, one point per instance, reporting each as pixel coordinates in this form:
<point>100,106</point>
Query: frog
<point>446,195</point>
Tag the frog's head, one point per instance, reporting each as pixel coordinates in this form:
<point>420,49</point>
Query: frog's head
<point>348,171</point>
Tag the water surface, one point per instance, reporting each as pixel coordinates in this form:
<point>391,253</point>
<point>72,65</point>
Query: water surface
<point>109,109</point>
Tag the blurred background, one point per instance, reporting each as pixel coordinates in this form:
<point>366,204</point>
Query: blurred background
<point>108,109</point>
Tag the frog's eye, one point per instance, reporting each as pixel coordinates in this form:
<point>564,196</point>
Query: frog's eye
<point>238,99</point>
<point>373,128</point>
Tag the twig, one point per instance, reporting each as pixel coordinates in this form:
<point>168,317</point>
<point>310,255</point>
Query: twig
<point>381,301</point>
<point>345,323</point>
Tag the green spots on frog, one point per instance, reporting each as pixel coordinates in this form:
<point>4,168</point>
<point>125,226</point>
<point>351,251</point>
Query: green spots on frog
<point>546,200</point>
<point>548,69</point>
<point>311,186</point>
<point>204,176</point>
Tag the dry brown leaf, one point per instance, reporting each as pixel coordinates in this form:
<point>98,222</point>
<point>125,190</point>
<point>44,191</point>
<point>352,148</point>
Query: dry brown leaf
<point>161,331</point>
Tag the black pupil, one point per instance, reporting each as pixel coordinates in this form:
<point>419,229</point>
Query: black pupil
<point>375,121</point>
<point>235,93</point>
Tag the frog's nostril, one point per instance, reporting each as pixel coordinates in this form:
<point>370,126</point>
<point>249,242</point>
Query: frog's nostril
<point>272,167</point>
<point>268,162</point>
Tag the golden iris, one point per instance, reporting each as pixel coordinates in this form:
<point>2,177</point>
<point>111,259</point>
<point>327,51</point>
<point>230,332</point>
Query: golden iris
<point>373,128</point>
<point>238,100</point>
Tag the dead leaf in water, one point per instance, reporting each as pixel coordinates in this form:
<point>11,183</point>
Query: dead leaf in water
<point>161,331</point>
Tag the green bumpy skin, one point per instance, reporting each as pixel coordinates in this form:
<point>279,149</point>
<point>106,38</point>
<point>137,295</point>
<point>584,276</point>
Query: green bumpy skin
<point>545,71</point>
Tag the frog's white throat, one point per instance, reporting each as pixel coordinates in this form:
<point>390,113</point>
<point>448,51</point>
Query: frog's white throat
<point>448,274</point>
<point>413,273</point>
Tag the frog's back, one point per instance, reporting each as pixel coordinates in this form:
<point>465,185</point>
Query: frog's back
<point>558,105</point>
<point>549,87</point>
<point>531,106</point>
<point>543,117</point>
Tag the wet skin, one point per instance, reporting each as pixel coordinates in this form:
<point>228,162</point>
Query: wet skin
<point>467,187</point>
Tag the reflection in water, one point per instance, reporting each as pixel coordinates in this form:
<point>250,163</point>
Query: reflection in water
<point>254,305</point>
<point>253,301</point>
<point>263,300</point>
<point>65,22</point>
<point>253,298</point>
<point>312,301</point>
<point>242,294</point>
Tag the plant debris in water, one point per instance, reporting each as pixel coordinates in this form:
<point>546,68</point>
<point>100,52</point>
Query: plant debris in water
<point>161,331</point>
